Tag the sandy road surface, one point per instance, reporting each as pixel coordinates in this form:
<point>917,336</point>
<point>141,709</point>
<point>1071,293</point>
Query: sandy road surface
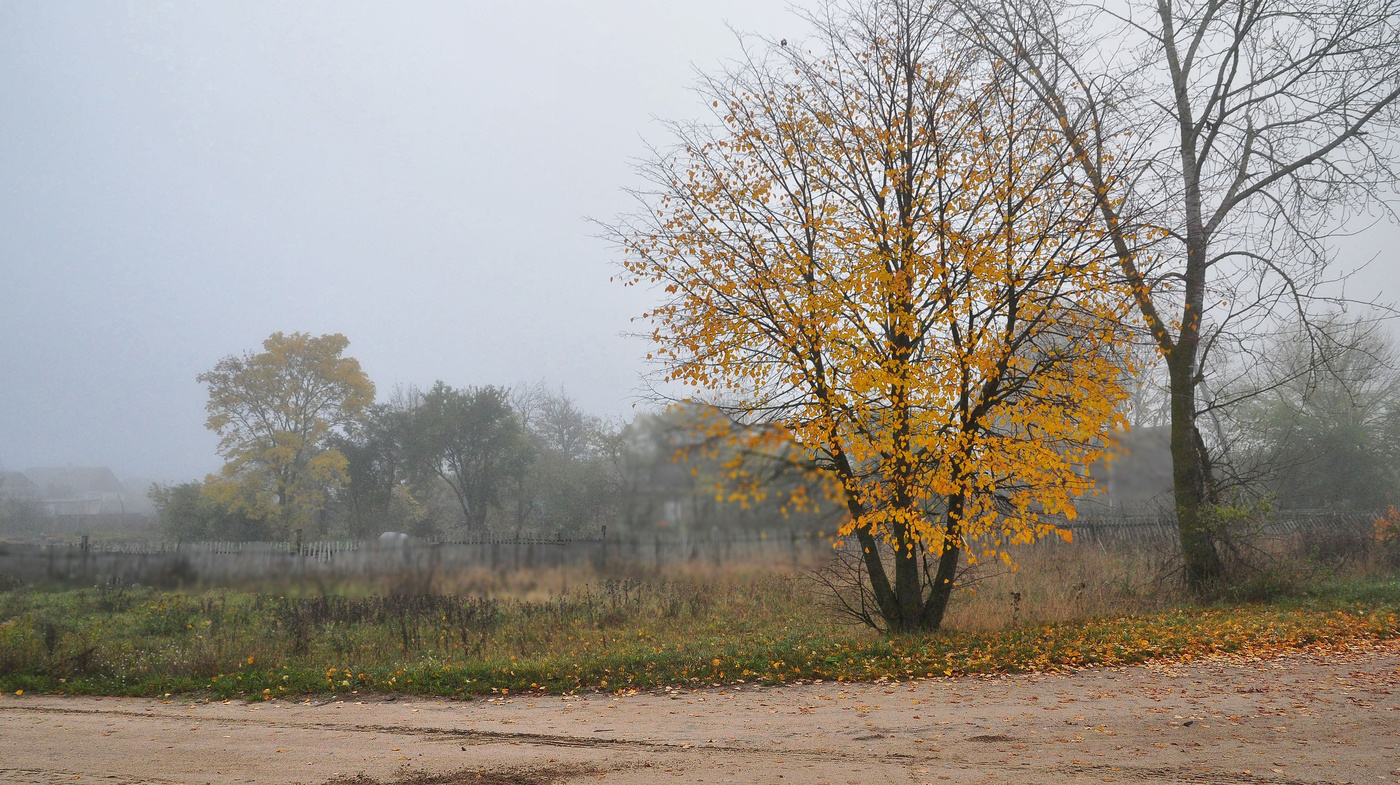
<point>1300,719</point>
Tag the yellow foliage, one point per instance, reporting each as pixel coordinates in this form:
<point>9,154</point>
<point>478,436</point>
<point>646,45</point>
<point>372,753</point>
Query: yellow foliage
<point>1388,526</point>
<point>882,257</point>
<point>275,412</point>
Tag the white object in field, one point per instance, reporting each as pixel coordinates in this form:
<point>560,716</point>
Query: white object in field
<point>393,538</point>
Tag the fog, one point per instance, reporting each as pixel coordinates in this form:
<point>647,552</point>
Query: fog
<point>179,180</point>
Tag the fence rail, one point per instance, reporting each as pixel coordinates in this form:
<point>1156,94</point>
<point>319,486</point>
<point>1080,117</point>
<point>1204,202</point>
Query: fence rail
<point>164,564</point>
<point>1161,528</point>
<point>223,563</point>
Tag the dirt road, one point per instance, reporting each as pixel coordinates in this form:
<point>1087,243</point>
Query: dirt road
<point>1300,719</point>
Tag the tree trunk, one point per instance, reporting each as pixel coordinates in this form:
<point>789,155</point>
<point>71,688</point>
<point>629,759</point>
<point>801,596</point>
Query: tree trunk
<point>942,589</point>
<point>476,518</point>
<point>908,586</point>
<point>1191,480</point>
<point>909,603</point>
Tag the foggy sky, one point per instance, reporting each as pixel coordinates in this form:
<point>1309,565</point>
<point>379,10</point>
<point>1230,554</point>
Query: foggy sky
<point>179,180</point>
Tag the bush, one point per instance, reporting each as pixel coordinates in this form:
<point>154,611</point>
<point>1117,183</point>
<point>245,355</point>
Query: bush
<point>189,514</point>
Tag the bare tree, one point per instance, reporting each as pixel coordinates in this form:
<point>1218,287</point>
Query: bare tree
<point>1238,134</point>
<point>570,484</point>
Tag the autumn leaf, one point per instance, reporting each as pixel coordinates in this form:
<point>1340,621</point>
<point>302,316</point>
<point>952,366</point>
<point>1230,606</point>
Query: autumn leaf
<point>880,255</point>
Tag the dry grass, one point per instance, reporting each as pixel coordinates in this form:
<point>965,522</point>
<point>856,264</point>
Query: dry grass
<point>1066,605</point>
<point>1056,582</point>
<point>536,585</point>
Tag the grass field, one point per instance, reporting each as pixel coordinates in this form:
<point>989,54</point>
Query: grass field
<point>627,634</point>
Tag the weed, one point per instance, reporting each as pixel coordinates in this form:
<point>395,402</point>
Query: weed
<point>1067,606</point>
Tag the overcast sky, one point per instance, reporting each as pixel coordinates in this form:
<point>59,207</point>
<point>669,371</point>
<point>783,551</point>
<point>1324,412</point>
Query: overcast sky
<point>178,180</point>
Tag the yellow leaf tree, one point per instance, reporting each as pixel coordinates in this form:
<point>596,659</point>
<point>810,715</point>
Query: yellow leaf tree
<point>876,250</point>
<point>275,412</point>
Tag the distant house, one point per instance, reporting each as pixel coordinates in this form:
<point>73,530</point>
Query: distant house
<point>1136,470</point>
<point>78,490</point>
<point>14,485</point>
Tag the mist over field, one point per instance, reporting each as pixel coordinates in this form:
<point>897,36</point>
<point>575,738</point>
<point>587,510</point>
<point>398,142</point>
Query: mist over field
<point>444,392</point>
<point>182,180</point>
<point>179,181</point>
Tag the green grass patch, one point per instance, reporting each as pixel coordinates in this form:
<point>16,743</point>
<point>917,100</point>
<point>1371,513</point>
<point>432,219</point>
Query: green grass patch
<point>612,636</point>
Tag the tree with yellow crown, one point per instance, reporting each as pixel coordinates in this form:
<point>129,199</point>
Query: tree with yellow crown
<point>876,250</point>
<point>275,413</point>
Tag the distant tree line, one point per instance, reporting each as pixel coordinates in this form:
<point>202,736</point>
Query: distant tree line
<point>1312,420</point>
<point>307,448</point>
<point>1317,424</point>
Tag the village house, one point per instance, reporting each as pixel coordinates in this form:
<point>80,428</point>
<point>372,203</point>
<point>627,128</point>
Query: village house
<point>72,490</point>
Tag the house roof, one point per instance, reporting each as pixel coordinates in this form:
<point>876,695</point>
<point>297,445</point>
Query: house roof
<point>74,481</point>
<point>1137,464</point>
<point>16,485</point>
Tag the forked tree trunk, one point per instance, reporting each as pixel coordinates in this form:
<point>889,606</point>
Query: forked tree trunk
<point>913,602</point>
<point>880,586</point>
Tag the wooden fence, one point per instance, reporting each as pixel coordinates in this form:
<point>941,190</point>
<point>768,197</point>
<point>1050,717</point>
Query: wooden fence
<point>224,563</point>
<point>231,563</point>
<point>1161,528</point>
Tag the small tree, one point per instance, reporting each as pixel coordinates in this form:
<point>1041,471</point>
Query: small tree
<point>275,413</point>
<point>473,441</point>
<point>187,513</point>
<point>877,251</point>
